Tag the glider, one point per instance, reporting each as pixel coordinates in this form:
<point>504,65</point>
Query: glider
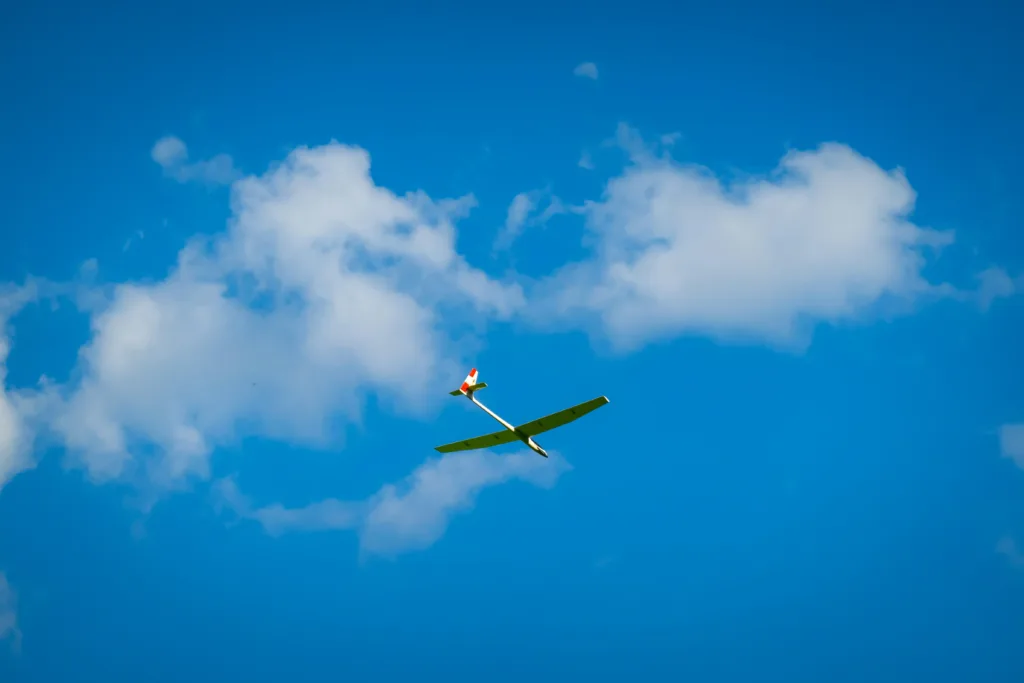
<point>524,432</point>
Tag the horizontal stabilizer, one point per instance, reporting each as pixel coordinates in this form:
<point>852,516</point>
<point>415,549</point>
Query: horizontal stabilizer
<point>470,389</point>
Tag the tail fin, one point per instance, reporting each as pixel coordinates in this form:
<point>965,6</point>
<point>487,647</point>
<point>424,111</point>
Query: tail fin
<point>469,385</point>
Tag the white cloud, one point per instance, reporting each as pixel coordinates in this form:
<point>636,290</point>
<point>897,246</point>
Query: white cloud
<point>326,515</point>
<point>585,161</point>
<point>670,139</point>
<point>586,70</point>
<point>995,283</point>
<point>15,456</point>
<point>523,204</point>
<point>9,613</point>
<point>1011,443</point>
<point>412,515</point>
<point>416,514</point>
<point>825,238</point>
<point>25,411</point>
<point>172,155</point>
<point>324,287</point>
<point>16,432</point>
<point>169,151</point>
<point>522,212</point>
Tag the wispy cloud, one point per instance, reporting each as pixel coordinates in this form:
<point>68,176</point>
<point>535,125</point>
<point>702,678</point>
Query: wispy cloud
<point>1011,443</point>
<point>411,515</point>
<point>586,70</point>
<point>1007,547</point>
<point>669,139</point>
<point>137,236</point>
<point>171,154</point>
<point>519,210</point>
<point>995,283</point>
<point>523,212</point>
<point>585,161</point>
<point>9,614</point>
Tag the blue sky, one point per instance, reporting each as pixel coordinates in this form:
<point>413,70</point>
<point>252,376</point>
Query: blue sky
<point>246,254</point>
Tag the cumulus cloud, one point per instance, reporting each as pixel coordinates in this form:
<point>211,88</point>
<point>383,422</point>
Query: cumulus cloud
<point>411,515</point>
<point>324,287</point>
<point>1011,443</point>
<point>586,70</point>
<point>8,613</point>
<point>171,154</point>
<point>825,238</point>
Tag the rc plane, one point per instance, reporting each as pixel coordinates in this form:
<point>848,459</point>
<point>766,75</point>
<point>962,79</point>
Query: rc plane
<point>524,432</point>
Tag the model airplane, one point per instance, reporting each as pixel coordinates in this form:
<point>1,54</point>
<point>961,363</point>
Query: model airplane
<point>524,432</point>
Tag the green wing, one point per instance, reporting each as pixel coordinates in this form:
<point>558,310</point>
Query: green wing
<point>562,417</point>
<point>485,441</point>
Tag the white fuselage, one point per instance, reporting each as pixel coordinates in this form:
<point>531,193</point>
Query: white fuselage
<point>522,437</point>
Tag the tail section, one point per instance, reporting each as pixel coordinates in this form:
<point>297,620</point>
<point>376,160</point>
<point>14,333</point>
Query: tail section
<point>469,385</point>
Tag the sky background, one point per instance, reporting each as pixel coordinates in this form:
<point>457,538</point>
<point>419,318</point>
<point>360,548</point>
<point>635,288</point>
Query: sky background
<point>249,250</point>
